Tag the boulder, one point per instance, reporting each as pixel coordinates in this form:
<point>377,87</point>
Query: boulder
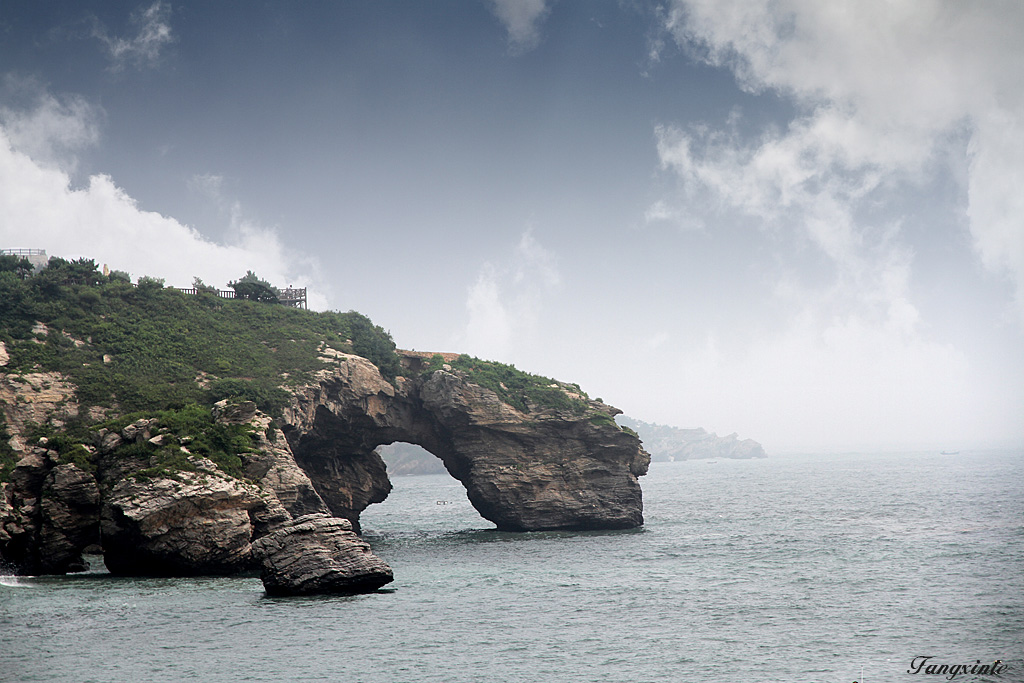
<point>318,554</point>
<point>228,412</point>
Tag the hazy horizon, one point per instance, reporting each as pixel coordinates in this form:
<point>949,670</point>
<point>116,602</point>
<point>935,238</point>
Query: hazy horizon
<point>800,223</point>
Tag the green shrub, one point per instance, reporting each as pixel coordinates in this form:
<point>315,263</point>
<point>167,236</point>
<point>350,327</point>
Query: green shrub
<point>517,388</point>
<point>222,444</point>
<point>8,458</point>
<point>602,420</point>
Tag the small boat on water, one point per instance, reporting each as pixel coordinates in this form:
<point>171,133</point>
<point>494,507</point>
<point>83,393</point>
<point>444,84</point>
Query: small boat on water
<point>950,453</point>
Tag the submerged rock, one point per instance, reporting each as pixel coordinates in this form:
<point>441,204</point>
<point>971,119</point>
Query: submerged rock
<point>318,554</point>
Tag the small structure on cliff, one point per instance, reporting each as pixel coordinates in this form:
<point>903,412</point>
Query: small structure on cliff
<point>37,257</point>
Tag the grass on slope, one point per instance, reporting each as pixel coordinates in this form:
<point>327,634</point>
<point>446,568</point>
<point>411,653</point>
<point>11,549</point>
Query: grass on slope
<point>515,387</point>
<point>143,348</point>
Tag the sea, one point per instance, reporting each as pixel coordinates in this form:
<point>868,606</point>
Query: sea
<point>794,568</point>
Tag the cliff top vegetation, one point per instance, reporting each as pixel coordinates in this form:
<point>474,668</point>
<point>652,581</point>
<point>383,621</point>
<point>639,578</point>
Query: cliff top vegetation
<point>144,348</point>
<point>519,389</point>
<point>147,347</point>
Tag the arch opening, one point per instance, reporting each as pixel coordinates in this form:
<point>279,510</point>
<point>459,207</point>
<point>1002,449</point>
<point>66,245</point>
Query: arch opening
<point>424,498</point>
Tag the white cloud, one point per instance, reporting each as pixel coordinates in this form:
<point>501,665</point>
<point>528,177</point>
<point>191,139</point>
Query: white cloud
<point>521,19</point>
<point>490,327</point>
<point>996,194</point>
<point>883,86</point>
<point>210,185</point>
<point>40,209</point>
<point>53,130</point>
<point>847,381</point>
<point>886,94</point>
<point>504,302</point>
<point>152,33</point>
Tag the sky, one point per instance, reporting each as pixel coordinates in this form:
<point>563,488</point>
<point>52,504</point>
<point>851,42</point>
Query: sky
<point>801,222</point>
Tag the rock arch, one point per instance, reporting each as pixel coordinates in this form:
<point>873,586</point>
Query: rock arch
<point>538,470</point>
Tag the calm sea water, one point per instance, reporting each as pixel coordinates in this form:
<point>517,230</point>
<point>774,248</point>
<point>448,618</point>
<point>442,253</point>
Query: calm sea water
<point>790,569</point>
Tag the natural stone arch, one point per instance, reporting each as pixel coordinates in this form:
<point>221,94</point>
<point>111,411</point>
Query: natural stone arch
<point>523,471</point>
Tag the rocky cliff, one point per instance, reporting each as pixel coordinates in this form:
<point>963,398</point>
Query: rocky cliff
<point>108,440</point>
<point>157,508</point>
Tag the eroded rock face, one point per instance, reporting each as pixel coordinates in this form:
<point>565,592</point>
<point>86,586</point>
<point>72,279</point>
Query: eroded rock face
<point>273,465</point>
<point>200,522</point>
<point>35,398</point>
<point>193,524</point>
<point>543,469</point>
<point>150,520</point>
<point>318,554</point>
<point>70,510</point>
<point>49,513</point>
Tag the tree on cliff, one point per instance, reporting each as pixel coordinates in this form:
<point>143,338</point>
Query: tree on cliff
<point>13,264</point>
<point>252,287</point>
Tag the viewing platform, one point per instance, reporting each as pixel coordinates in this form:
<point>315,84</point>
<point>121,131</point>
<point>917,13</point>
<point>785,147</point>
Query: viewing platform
<point>37,257</point>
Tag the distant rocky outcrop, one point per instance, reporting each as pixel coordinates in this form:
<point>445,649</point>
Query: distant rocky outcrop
<point>671,443</point>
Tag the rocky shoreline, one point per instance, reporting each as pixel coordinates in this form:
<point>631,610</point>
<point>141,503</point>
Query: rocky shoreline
<point>292,510</point>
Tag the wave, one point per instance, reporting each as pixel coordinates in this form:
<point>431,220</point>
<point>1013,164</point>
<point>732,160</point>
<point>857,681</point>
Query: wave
<point>13,581</point>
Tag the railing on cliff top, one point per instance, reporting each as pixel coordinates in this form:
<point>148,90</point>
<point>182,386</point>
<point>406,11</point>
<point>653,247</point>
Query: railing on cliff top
<point>23,252</point>
<point>292,296</point>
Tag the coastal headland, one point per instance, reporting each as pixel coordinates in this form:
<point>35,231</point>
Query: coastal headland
<point>172,431</point>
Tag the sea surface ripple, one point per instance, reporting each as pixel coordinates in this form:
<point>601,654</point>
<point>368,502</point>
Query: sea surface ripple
<point>790,569</point>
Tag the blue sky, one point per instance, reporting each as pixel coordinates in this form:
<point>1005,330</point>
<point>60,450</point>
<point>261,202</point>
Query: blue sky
<point>801,222</point>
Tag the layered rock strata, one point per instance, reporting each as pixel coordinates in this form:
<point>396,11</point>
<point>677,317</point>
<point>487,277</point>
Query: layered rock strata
<point>196,523</point>
<point>150,518</point>
<point>318,554</point>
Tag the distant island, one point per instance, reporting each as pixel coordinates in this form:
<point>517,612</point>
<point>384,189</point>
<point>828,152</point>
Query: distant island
<point>666,444</point>
<point>408,459</point>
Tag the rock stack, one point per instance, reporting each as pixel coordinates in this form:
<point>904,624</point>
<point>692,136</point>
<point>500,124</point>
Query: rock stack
<point>318,553</point>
